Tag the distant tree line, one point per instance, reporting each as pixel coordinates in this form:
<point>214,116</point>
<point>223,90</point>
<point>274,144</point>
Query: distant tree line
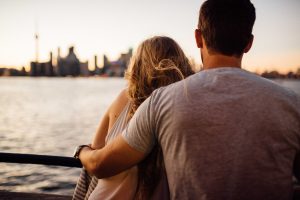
<point>277,75</point>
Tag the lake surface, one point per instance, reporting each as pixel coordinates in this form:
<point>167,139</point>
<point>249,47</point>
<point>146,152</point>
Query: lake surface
<point>52,116</point>
<point>49,116</point>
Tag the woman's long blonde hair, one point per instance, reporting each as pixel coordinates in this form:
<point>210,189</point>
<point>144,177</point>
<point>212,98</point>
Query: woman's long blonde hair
<point>159,61</point>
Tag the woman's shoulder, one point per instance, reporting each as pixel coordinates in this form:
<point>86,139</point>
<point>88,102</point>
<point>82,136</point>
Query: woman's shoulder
<point>122,99</point>
<point>118,105</point>
<point>123,95</point>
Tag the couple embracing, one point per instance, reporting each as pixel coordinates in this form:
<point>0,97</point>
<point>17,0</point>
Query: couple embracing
<point>221,133</point>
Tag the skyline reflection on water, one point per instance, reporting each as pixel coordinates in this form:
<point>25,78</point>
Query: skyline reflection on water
<point>51,116</point>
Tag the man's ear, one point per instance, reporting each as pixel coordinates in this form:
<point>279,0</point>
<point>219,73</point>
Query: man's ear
<point>198,37</point>
<point>249,45</point>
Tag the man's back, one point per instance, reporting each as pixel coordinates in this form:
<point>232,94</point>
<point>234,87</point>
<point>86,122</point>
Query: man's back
<point>227,134</point>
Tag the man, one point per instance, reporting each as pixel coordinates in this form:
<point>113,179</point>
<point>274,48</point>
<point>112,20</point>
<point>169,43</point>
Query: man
<point>225,133</point>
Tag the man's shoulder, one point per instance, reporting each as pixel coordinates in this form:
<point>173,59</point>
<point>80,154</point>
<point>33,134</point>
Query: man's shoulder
<point>227,79</point>
<point>276,88</point>
<point>167,92</point>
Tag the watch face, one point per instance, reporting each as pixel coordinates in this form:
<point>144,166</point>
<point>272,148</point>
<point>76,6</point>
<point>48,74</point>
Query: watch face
<point>78,149</point>
<point>76,152</point>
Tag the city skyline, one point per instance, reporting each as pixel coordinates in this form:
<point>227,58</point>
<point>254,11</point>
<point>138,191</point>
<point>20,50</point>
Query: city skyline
<point>112,27</point>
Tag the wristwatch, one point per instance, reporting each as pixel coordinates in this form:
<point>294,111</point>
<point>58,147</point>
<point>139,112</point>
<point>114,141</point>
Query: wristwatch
<point>78,149</point>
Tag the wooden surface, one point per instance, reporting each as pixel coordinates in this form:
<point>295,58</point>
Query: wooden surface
<point>6,195</point>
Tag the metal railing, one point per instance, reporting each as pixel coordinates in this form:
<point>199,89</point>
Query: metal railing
<point>40,159</point>
<point>67,162</point>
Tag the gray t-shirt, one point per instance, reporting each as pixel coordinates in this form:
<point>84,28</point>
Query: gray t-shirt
<point>225,134</point>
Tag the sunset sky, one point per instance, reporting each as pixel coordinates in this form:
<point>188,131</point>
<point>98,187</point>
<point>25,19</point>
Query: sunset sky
<point>97,27</point>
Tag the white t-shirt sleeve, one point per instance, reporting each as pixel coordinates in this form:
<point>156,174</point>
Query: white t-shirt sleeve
<point>140,132</point>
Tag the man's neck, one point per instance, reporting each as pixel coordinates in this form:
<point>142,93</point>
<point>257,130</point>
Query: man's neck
<point>219,60</point>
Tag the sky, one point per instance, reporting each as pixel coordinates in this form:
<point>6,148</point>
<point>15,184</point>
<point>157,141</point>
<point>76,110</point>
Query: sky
<point>111,27</point>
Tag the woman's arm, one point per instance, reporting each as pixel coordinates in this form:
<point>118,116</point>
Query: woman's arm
<point>99,138</point>
<point>109,119</point>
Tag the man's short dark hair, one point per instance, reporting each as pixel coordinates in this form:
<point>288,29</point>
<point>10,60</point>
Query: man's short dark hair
<point>226,25</point>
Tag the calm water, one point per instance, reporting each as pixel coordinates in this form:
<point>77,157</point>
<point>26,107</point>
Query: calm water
<point>52,116</point>
<point>49,116</point>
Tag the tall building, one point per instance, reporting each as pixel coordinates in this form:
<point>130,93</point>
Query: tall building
<point>97,70</point>
<point>70,65</point>
<point>42,69</point>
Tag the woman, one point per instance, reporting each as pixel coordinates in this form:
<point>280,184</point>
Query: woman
<point>159,61</point>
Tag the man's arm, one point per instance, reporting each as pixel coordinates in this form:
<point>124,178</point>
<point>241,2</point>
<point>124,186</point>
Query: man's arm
<point>126,150</point>
<point>112,159</point>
